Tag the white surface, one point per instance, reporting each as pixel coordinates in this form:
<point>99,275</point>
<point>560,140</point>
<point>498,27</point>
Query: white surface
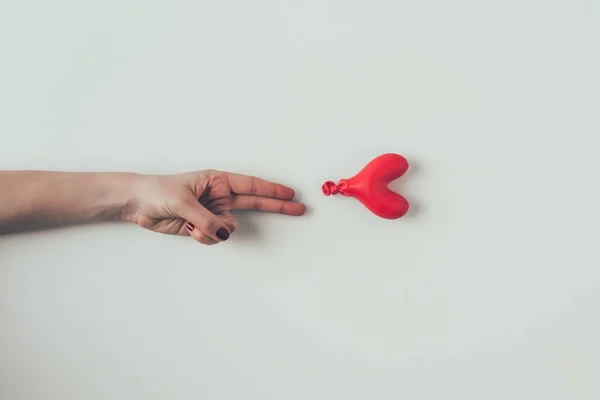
<point>488,289</point>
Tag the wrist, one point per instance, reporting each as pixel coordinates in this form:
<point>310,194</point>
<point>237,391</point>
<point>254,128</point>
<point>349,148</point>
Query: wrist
<point>127,191</point>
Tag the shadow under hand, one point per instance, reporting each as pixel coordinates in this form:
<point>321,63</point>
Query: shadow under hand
<point>247,227</point>
<point>25,227</point>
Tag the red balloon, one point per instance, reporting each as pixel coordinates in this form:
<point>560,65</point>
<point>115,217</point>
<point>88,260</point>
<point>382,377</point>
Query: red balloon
<point>370,186</point>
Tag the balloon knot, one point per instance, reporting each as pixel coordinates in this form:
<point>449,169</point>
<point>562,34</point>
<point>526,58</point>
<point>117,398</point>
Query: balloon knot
<point>329,188</point>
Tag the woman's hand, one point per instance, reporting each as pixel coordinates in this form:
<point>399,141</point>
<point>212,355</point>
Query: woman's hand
<point>193,203</point>
<point>199,203</point>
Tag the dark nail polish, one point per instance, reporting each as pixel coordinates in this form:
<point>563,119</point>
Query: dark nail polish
<point>223,234</point>
<point>189,226</point>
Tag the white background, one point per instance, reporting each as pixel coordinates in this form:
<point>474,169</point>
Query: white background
<point>488,289</point>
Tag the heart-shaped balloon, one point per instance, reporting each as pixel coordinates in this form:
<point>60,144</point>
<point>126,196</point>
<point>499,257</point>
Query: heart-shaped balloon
<point>370,186</point>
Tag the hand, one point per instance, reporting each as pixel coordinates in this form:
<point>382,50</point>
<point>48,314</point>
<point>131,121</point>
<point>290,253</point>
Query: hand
<point>199,203</point>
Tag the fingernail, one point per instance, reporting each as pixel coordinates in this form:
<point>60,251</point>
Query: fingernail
<point>189,226</point>
<point>223,234</point>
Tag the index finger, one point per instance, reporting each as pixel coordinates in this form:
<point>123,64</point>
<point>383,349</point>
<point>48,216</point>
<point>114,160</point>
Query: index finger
<point>251,185</point>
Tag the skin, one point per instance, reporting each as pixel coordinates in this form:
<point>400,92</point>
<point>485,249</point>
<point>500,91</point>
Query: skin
<point>196,204</point>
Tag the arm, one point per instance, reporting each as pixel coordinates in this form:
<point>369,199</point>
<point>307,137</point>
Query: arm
<point>38,199</point>
<point>196,204</point>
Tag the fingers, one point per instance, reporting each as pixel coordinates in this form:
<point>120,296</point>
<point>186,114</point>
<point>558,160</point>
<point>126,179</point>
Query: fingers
<point>229,220</point>
<point>205,222</point>
<point>201,237</point>
<point>250,185</point>
<point>245,202</point>
<point>198,235</point>
<point>256,194</point>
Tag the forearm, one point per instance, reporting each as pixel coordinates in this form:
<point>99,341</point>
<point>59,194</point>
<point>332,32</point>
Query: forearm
<point>39,199</point>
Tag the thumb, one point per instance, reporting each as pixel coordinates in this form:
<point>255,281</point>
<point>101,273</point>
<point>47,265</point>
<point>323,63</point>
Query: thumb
<point>207,222</point>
